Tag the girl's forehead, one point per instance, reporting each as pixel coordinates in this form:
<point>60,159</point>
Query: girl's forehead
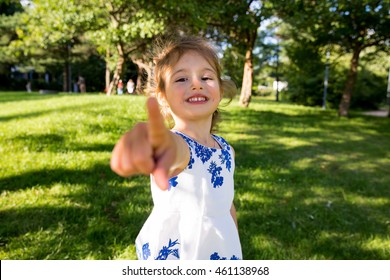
<point>189,60</point>
<point>190,54</point>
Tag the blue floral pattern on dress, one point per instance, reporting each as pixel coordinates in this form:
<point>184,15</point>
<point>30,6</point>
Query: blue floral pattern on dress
<point>203,153</point>
<point>216,256</point>
<point>223,142</point>
<point>190,142</point>
<point>215,171</point>
<point>167,250</point>
<point>192,161</point>
<point>226,159</point>
<point>145,251</point>
<point>187,139</point>
<point>172,183</point>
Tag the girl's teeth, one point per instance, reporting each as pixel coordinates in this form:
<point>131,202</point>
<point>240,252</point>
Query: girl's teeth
<point>197,99</point>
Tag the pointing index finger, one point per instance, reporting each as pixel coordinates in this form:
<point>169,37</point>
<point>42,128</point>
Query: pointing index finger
<point>157,129</point>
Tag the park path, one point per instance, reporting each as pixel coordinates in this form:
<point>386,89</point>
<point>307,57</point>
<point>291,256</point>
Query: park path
<point>378,113</point>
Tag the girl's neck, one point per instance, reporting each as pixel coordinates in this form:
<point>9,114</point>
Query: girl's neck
<point>199,133</point>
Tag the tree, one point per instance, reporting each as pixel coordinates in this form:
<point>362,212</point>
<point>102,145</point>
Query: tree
<point>124,31</point>
<point>269,52</point>
<point>128,29</point>
<point>237,22</point>
<point>352,25</point>
<point>305,68</point>
<point>9,18</point>
<point>50,29</point>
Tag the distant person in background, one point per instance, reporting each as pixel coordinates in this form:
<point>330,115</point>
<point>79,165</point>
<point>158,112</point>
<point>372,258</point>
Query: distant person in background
<point>81,83</point>
<point>130,86</point>
<point>75,87</point>
<point>120,87</point>
<point>28,86</point>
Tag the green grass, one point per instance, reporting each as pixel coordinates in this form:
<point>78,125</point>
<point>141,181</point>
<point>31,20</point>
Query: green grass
<point>308,184</point>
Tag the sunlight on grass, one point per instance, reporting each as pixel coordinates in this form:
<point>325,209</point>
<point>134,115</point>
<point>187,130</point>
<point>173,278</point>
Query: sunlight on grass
<point>308,184</point>
<point>373,247</point>
<point>381,245</point>
<point>291,143</point>
<point>126,254</point>
<point>250,198</point>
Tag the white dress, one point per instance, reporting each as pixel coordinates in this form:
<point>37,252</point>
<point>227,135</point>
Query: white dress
<point>192,220</point>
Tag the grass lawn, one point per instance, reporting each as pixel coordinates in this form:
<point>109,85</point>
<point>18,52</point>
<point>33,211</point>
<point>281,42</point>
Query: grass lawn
<point>308,184</point>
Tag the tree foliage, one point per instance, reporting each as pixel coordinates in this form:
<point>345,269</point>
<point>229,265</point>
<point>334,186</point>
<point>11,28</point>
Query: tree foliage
<point>48,31</point>
<point>352,26</point>
<point>236,23</point>
<point>123,32</point>
<point>305,72</point>
<point>9,18</point>
<point>92,36</point>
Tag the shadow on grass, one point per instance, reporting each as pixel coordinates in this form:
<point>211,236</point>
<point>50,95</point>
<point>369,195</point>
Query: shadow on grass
<point>55,143</point>
<point>324,209</point>
<point>99,216</point>
<point>39,142</point>
<point>24,96</point>
<point>59,109</point>
<point>294,217</point>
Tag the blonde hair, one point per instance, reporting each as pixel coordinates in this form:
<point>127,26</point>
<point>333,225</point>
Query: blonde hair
<point>168,53</point>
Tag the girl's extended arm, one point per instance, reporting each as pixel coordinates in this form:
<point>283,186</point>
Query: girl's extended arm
<point>150,148</point>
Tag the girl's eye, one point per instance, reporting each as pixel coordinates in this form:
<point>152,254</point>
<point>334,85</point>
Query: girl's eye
<point>206,78</point>
<point>181,80</point>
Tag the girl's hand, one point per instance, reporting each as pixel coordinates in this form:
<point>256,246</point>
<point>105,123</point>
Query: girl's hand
<point>149,148</point>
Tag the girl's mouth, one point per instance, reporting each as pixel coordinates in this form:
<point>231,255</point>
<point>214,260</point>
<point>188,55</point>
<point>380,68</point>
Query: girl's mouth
<point>197,99</point>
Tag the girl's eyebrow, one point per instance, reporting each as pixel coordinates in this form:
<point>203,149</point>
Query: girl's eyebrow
<point>185,70</point>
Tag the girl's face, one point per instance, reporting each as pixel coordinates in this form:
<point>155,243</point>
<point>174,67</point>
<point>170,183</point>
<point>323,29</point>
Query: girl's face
<point>192,89</point>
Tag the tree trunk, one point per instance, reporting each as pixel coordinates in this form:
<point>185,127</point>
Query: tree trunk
<point>118,71</point>
<point>66,87</point>
<point>350,83</point>
<point>388,93</point>
<point>108,74</point>
<point>107,83</point>
<point>65,77</point>
<point>247,80</point>
<point>144,72</point>
<point>139,81</point>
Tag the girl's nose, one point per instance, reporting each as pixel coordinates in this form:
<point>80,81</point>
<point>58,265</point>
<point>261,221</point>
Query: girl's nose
<point>197,83</point>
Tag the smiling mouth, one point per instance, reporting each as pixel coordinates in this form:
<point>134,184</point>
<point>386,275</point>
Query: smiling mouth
<point>197,99</point>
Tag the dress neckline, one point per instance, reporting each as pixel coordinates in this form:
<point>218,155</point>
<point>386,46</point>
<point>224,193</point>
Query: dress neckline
<point>221,146</point>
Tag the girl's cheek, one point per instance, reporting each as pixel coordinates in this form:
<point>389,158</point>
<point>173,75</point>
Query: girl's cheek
<point>178,87</point>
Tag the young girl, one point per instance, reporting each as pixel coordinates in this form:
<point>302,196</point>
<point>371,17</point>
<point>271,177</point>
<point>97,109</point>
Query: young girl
<point>191,168</point>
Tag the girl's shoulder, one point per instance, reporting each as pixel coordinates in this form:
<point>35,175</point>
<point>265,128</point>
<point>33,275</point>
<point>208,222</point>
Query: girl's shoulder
<point>220,138</point>
<point>188,139</point>
<point>222,142</point>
